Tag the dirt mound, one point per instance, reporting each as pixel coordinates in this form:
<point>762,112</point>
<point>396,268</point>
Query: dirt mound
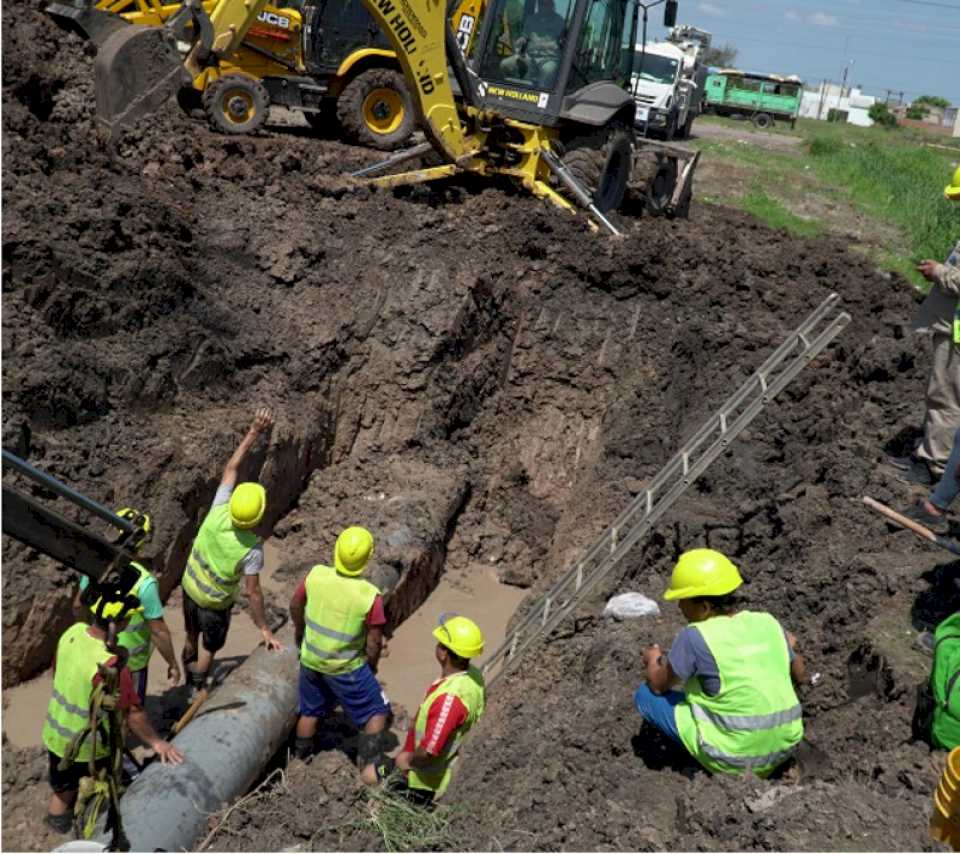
<point>478,378</point>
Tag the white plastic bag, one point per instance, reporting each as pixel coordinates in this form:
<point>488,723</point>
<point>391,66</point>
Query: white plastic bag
<point>628,606</point>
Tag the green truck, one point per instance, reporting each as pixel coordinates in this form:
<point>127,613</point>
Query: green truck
<point>760,97</point>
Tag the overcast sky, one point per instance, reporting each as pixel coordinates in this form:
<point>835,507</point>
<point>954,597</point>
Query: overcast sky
<point>909,45</point>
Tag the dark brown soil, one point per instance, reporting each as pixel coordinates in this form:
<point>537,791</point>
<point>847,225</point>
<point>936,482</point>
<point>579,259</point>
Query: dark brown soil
<point>468,372</point>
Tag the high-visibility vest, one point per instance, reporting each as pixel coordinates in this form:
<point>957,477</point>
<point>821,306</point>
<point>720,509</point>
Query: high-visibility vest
<point>755,721</point>
<point>136,636</point>
<point>212,575</point>
<point>956,325</point>
<point>78,655</point>
<point>469,688</point>
<point>334,636</point>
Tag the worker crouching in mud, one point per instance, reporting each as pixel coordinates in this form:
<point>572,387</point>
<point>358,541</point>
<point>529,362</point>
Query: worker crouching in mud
<point>80,649</point>
<point>738,710</point>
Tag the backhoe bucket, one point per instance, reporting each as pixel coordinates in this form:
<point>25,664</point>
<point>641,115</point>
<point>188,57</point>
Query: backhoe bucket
<point>137,68</point>
<point>87,22</point>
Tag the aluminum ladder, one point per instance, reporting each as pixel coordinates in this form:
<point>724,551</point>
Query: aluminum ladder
<point>708,443</point>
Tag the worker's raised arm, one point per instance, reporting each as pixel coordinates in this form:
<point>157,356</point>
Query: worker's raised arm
<point>262,422</point>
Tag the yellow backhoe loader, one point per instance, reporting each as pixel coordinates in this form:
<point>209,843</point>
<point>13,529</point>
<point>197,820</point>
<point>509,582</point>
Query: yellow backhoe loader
<point>543,97</point>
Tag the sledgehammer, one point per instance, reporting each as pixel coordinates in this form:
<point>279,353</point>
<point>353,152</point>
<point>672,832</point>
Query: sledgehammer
<point>910,525</point>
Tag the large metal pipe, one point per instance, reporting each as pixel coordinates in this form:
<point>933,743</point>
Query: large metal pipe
<point>226,747</point>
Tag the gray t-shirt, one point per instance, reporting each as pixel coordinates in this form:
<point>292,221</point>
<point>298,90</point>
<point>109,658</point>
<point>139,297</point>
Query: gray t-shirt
<point>252,561</point>
<point>690,656</point>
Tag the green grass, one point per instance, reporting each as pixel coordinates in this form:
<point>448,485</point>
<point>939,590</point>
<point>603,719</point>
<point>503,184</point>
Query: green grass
<point>775,214</point>
<point>406,827</point>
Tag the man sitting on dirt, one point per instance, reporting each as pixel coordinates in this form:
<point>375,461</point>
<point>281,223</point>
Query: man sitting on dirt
<point>738,710</point>
<point>225,549</point>
<point>145,625</point>
<point>453,704</point>
<point>939,316</point>
<point>80,649</point>
<point>339,620</point>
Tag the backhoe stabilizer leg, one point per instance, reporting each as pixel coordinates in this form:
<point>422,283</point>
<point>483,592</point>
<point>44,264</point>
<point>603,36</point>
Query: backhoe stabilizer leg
<point>574,186</point>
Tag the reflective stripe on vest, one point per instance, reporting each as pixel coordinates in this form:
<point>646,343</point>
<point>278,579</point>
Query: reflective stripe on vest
<point>335,621</point>
<point>468,687</point>
<point>213,570</point>
<point>136,636</point>
<point>755,720</point>
<point>78,655</point>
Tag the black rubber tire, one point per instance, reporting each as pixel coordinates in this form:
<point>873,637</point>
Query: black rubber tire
<point>762,121</point>
<point>220,100</point>
<point>351,114</point>
<point>602,166</point>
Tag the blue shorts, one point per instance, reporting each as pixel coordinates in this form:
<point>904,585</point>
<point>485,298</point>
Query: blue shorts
<point>357,692</point>
<point>659,709</point>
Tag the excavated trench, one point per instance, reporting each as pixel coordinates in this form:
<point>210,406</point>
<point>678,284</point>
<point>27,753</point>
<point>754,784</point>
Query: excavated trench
<point>470,374</point>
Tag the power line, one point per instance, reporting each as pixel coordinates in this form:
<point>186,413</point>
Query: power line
<point>931,3</point>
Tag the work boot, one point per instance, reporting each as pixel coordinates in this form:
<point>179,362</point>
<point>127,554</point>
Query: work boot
<point>195,684</point>
<point>303,748</point>
<point>59,823</point>
<point>935,522</point>
<point>901,463</point>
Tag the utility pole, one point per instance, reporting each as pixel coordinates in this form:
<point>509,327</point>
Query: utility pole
<point>823,94</point>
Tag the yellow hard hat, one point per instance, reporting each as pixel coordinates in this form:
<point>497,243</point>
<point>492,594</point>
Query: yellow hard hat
<point>141,521</point>
<point>247,504</point>
<point>116,600</point>
<point>952,190</point>
<point>460,635</point>
<point>352,551</point>
<point>702,572</point>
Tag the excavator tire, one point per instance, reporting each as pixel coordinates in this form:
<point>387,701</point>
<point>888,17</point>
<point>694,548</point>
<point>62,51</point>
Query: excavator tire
<point>601,163</point>
<point>375,109</point>
<point>235,103</point>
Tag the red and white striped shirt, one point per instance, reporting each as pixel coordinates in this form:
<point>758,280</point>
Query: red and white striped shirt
<point>447,713</point>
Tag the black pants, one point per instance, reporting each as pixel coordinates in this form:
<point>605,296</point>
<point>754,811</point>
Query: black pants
<point>212,626</point>
<point>69,780</point>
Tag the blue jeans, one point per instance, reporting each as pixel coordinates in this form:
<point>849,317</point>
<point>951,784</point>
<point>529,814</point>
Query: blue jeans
<point>658,709</point>
<point>358,693</point>
<point>949,487</point>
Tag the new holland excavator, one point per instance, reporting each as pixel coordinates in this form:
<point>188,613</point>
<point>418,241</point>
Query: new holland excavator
<point>543,97</point>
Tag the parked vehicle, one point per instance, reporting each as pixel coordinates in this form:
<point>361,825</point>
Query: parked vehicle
<point>669,81</point>
<point>762,98</point>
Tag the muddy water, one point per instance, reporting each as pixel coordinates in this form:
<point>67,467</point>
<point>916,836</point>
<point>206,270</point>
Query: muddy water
<point>409,667</point>
<point>24,706</point>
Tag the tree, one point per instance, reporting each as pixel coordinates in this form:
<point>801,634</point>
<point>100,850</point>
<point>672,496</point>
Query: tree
<point>722,56</point>
<point>932,101</point>
<point>881,115</point>
<point>916,111</point>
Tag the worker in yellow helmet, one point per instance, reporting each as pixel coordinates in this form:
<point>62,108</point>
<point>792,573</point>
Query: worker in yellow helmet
<point>226,549</point>
<point>146,625</point>
<point>453,704</point>
<point>339,621</point>
<point>738,709</point>
<point>939,316</point>
<point>80,649</point>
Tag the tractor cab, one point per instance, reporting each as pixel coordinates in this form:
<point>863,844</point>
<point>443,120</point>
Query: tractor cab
<point>551,61</point>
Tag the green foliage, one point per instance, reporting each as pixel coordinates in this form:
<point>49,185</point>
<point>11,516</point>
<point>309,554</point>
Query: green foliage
<point>916,112</point>
<point>881,115</point>
<point>932,101</point>
<point>773,213</point>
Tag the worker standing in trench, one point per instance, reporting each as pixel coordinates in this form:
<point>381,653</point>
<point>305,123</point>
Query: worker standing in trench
<point>146,625</point>
<point>739,710</point>
<point>226,548</point>
<point>940,316</point>
<point>453,704</point>
<point>80,649</point>
<point>339,621</point>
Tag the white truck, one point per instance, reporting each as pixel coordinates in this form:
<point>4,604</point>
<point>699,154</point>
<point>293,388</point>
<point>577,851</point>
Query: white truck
<point>668,82</point>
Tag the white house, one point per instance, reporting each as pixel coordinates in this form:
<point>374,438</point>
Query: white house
<point>850,102</point>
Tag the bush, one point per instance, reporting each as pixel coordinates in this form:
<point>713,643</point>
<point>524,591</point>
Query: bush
<point>881,115</point>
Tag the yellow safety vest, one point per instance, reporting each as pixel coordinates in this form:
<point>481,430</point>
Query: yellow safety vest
<point>78,655</point>
<point>755,721</point>
<point>468,687</point>
<point>334,637</point>
<point>136,636</point>
<point>212,574</point>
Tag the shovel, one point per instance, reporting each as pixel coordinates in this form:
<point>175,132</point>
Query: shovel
<point>910,525</point>
<point>189,714</point>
